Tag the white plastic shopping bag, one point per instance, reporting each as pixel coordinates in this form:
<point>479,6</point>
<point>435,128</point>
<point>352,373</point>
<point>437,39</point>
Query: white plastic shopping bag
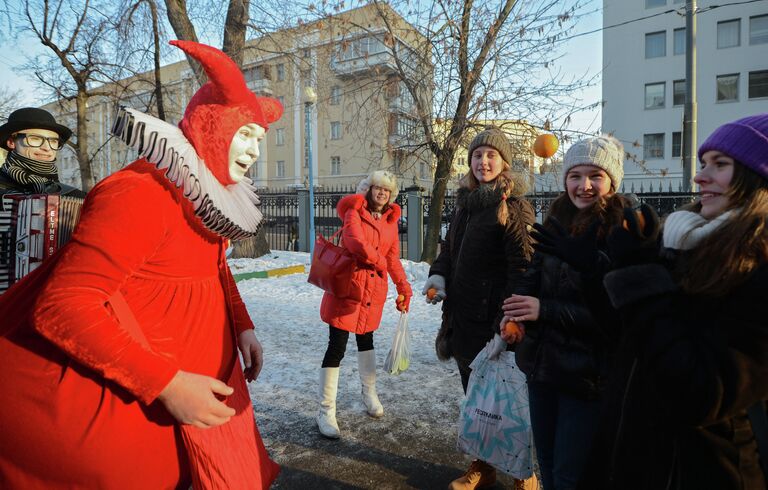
<point>399,356</point>
<point>495,421</point>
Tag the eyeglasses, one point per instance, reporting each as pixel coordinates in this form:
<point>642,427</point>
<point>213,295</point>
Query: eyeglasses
<point>36,141</point>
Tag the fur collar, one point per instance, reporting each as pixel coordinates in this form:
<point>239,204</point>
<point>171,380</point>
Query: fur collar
<point>358,202</point>
<point>482,197</point>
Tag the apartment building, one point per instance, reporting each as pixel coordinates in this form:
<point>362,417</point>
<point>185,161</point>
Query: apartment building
<point>362,119</point>
<point>644,78</point>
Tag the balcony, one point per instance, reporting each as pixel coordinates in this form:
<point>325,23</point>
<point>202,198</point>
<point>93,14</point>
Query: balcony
<point>261,86</point>
<point>382,63</point>
<point>402,104</point>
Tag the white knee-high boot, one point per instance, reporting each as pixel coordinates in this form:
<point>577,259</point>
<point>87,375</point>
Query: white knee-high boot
<point>326,417</point>
<point>366,362</point>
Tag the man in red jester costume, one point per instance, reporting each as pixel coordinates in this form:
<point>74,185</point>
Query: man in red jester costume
<point>118,357</point>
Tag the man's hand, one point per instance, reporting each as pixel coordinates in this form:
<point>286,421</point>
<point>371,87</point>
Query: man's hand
<point>511,335</point>
<point>521,308</point>
<point>253,354</point>
<point>191,399</point>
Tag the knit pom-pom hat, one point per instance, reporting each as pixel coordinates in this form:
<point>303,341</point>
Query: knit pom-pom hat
<point>745,140</point>
<point>381,178</point>
<point>221,107</point>
<point>605,152</point>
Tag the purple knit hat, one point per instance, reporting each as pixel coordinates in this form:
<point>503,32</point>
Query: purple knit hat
<point>744,140</point>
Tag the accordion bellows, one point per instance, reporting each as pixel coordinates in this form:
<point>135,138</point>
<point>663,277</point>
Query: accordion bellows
<point>229,211</point>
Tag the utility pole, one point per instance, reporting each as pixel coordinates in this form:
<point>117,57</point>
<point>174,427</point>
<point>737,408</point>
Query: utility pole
<point>690,110</point>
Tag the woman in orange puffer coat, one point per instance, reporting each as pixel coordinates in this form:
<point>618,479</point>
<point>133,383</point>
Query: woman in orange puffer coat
<point>369,232</point>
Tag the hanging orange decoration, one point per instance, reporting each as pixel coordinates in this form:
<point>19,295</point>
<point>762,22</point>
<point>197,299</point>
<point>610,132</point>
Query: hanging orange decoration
<point>545,145</point>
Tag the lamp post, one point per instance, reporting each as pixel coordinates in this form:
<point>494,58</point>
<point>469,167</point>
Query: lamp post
<point>310,97</point>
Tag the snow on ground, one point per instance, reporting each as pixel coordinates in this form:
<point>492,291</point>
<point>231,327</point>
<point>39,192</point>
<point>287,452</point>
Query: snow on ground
<point>421,404</point>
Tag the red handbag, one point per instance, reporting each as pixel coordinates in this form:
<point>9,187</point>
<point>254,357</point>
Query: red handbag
<point>332,269</point>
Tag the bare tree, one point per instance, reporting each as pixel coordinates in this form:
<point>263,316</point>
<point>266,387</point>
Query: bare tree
<point>8,101</point>
<point>486,61</point>
<point>125,28</point>
<point>235,27</point>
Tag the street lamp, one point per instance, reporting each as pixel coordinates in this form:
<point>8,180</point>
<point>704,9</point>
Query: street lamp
<point>310,97</point>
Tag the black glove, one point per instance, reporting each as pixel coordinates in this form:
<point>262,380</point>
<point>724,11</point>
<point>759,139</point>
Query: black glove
<point>580,252</point>
<point>635,242</point>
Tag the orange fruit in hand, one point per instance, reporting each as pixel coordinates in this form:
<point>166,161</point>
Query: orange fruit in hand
<point>512,328</point>
<point>431,292</point>
<point>400,298</point>
<point>640,221</point>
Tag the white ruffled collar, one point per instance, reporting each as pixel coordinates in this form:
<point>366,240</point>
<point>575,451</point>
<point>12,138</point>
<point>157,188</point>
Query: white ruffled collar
<point>230,211</point>
<point>683,230</point>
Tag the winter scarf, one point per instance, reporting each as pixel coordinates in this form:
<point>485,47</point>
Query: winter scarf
<point>484,196</point>
<point>684,230</point>
<point>31,174</point>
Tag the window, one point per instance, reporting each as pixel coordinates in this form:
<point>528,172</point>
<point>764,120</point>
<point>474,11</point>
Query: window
<point>335,95</point>
<point>335,130</point>
<point>306,53</point>
<point>255,170</point>
<point>728,88</point>
<point>281,168</point>
<point>655,3</point>
<point>656,44</point>
<point>758,29</point>
<point>654,95</point>
<point>280,136</point>
<point>423,170</point>
<point>653,146</point>
<point>678,92</point>
<point>677,144</point>
<point>758,84</point>
<point>335,165</point>
<point>728,33</point>
<point>281,72</point>
<point>678,44</point>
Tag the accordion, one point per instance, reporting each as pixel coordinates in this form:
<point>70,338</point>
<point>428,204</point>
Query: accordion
<point>32,228</point>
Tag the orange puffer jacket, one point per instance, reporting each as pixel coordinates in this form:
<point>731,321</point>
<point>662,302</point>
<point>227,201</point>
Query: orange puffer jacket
<point>376,245</point>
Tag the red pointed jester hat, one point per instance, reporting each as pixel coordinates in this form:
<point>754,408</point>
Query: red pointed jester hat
<point>221,107</point>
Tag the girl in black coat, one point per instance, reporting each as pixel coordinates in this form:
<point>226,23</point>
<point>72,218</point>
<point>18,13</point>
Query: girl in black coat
<point>483,257</point>
<point>692,367</point>
<point>562,348</point>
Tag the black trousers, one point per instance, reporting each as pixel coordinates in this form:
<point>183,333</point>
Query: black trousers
<point>337,345</point>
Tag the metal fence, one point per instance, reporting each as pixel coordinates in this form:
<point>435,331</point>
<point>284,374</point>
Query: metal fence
<point>282,211</point>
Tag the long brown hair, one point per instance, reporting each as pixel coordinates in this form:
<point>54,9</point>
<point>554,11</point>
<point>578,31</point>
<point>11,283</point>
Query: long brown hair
<point>728,255</point>
<point>371,203</point>
<point>608,209</point>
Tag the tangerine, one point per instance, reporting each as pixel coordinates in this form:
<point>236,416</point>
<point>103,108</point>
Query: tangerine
<point>431,292</point>
<point>545,145</point>
<point>512,328</point>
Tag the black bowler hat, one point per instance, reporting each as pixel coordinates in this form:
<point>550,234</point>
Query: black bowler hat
<point>29,118</point>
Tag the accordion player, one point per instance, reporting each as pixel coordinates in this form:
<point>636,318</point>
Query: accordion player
<point>32,228</point>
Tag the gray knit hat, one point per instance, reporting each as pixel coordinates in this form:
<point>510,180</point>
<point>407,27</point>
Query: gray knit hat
<point>495,138</point>
<point>605,152</point>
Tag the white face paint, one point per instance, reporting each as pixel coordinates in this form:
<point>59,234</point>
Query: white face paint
<point>244,150</point>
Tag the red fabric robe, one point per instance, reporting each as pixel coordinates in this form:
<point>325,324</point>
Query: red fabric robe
<point>79,392</point>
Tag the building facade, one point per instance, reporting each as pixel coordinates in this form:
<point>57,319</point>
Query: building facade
<point>363,117</point>
<point>644,79</point>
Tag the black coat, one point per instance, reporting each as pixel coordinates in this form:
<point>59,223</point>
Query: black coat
<point>481,261</point>
<point>566,347</point>
<point>687,369</point>
<point>8,186</point>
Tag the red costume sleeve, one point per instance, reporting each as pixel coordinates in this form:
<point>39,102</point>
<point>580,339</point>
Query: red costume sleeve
<point>122,224</point>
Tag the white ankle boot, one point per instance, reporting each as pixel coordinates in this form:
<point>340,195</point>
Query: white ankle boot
<point>326,417</point>
<point>366,362</point>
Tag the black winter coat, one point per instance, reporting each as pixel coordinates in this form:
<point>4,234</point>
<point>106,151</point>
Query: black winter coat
<point>566,346</point>
<point>481,261</point>
<point>687,370</point>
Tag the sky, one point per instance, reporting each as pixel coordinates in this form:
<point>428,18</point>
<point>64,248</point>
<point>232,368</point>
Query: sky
<point>582,56</point>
